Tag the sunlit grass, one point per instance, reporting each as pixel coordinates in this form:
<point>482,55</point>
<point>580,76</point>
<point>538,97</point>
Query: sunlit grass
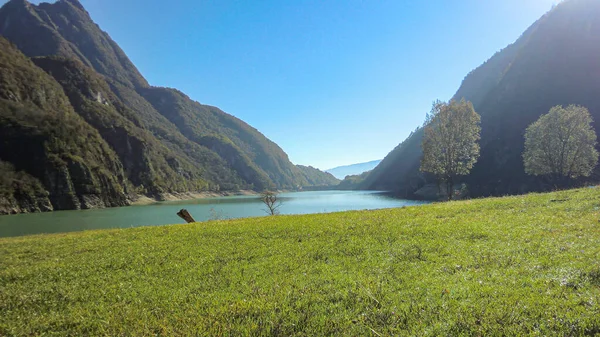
<point>504,266</point>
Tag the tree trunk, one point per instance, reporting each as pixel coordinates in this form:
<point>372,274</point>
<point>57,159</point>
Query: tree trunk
<point>185,215</point>
<point>560,182</point>
<point>450,187</point>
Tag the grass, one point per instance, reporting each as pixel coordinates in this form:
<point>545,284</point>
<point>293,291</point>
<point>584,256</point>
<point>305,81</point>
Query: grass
<point>527,265</point>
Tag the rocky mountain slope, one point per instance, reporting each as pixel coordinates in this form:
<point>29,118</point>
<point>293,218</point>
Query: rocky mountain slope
<point>50,158</point>
<point>140,138</point>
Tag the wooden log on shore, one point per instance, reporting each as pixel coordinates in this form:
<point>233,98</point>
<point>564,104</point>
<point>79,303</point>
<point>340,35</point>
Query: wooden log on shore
<point>185,215</point>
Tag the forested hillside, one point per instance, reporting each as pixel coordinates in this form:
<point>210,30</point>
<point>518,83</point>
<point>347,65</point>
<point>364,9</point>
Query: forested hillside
<point>555,62</point>
<point>50,158</point>
<point>316,177</point>
<point>135,138</point>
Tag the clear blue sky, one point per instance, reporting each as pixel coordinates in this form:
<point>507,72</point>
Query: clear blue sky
<point>331,82</point>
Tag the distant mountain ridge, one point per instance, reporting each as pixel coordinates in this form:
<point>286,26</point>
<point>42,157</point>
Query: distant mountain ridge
<point>156,140</point>
<point>555,62</point>
<point>341,172</point>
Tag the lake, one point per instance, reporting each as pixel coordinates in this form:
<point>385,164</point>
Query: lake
<point>163,213</point>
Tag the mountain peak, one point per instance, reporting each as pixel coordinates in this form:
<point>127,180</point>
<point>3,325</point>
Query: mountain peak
<point>156,139</point>
<point>75,3</point>
<point>27,4</point>
<point>14,4</point>
<point>64,28</point>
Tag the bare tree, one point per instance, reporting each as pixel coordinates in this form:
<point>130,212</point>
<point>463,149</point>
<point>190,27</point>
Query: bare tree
<point>271,200</point>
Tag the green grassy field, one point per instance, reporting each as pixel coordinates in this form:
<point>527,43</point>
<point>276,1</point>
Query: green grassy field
<point>527,265</point>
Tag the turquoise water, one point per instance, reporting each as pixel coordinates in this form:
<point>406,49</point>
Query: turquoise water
<point>201,209</point>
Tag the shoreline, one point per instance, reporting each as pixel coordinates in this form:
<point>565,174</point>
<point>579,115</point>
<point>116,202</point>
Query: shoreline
<point>141,199</point>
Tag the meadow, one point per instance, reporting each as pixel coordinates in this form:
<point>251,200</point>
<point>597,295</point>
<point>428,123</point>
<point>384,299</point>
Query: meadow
<point>523,265</point>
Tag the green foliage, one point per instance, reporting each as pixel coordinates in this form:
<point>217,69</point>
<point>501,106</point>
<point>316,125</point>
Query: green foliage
<point>65,29</point>
<point>146,161</point>
<point>353,182</point>
<point>512,266</point>
<point>213,168</point>
<point>485,78</point>
<point>316,177</point>
<point>552,63</point>
<point>21,192</point>
<point>254,157</point>
<point>450,144</point>
<point>561,143</point>
<point>399,170</point>
<point>159,140</point>
<point>41,135</point>
<point>11,181</point>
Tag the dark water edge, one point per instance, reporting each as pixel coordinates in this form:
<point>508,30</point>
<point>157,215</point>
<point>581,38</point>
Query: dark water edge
<point>163,213</point>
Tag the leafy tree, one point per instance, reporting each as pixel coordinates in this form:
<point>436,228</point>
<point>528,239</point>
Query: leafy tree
<point>561,144</point>
<point>450,142</point>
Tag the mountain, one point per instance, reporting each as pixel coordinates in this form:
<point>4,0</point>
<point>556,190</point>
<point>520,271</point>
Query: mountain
<point>50,158</point>
<point>341,172</point>
<point>353,182</point>
<point>97,133</point>
<point>555,62</point>
<point>316,177</point>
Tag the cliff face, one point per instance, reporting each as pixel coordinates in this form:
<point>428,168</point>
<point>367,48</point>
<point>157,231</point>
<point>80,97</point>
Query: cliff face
<point>95,130</point>
<point>47,144</point>
<point>555,62</point>
<point>147,163</point>
<point>21,192</point>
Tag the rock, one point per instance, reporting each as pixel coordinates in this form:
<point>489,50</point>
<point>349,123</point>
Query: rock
<point>89,201</point>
